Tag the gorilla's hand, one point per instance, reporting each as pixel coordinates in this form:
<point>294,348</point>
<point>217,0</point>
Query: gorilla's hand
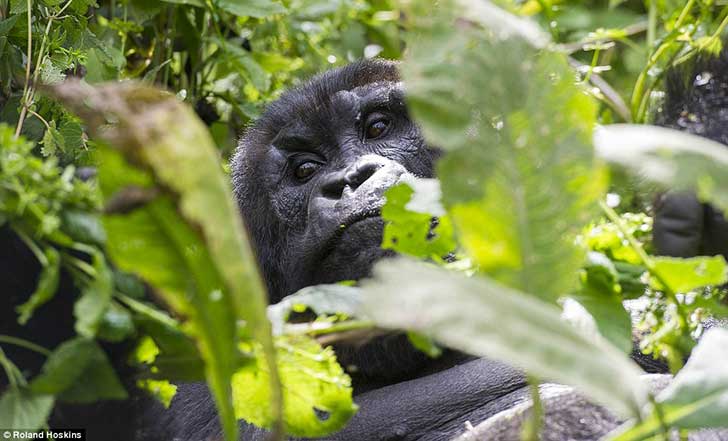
<point>685,227</point>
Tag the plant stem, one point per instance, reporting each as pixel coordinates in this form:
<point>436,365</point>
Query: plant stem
<point>532,427</point>
<point>39,254</point>
<point>24,109</point>
<point>24,344</point>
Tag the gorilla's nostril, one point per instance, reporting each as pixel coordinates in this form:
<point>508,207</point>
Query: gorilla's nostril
<point>344,183</point>
<point>361,173</point>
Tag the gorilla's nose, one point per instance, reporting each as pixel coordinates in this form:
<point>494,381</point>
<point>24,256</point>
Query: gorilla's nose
<point>369,171</point>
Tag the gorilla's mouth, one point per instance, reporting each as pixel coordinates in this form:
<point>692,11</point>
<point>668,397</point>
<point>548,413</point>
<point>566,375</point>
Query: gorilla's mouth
<point>357,220</point>
<point>358,217</point>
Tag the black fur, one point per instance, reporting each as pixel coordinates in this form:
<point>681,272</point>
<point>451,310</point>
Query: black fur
<point>696,97</point>
<point>696,102</point>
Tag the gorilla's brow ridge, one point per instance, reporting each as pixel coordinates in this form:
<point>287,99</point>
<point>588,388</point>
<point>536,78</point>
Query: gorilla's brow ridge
<point>317,92</point>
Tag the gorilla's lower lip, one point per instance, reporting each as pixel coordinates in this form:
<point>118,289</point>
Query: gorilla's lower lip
<point>331,243</point>
<point>358,217</point>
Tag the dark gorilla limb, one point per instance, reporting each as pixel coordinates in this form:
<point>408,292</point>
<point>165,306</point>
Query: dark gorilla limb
<point>696,102</point>
<point>433,407</point>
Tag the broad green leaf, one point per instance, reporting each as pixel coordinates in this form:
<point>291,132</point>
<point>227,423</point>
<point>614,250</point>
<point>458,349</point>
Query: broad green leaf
<point>698,396</point>
<point>317,393</point>
<point>50,74</point>
<point>18,6</point>
<point>83,227</point>
<point>600,295</point>
<point>52,140</point>
<point>201,264</point>
<point>98,381</point>
<point>46,288</point>
<point>72,133</point>
<point>7,25</point>
<point>683,275</point>
<point>416,223</point>
<point>674,158</point>
<point>21,408</point>
<point>63,367</point>
<point>95,299</point>
<point>78,371</point>
<point>116,324</point>
<point>482,317</point>
<point>251,8</point>
<point>321,299</point>
<point>520,177</point>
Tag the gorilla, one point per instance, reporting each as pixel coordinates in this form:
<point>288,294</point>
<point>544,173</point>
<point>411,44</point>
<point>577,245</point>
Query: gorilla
<point>696,101</point>
<point>309,177</point>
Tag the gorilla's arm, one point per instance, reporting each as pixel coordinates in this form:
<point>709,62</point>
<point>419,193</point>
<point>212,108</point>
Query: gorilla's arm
<point>433,407</point>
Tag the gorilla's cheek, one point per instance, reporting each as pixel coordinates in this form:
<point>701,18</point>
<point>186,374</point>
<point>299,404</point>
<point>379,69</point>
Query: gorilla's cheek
<point>354,253</point>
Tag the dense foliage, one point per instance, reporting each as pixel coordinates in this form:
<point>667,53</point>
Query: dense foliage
<point>525,213</point>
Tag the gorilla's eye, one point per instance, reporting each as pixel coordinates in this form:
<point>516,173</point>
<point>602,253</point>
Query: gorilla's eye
<point>306,169</point>
<point>376,126</point>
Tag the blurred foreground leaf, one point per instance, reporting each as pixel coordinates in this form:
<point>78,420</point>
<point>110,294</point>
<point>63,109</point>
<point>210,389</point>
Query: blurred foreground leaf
<point>671,157</point>
<point>519,175</point>
<point>482,317</point>
<point>698,396</point>
<point>182,232</point>
<point>20,408</point>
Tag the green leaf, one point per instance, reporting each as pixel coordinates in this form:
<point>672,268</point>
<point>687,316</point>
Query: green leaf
<point>321,299</point>
<point>600,296</point>
<point>63,367</point>
<point>72,133</point>
<point>95,299</point>
<point>20,408</point>
<point>78,371</point>
<point>674,158</point>
<point>251,8</point>
<point>98,381</point>
<point>50,74</point>
<point>684,275</point>
<point>18,6</point>
<point>317,393</point>
<point>697,398</point>
<point>52,140</point>
<point>83,226</point>
<point>116,324</point>
<point>185,237</point>
<point>519,178</point>
<point>482,317</point>
<point>7,25</point>
<point>46,287</point>
<point>416,223</point>
<point>162,390</point>
<point>424,344</point>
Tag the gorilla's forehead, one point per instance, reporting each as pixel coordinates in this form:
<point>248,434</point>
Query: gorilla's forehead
<point>324,94</point>
<point>344,107</point>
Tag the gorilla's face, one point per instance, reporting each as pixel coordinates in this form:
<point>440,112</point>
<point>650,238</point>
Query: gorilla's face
<point>311,175</point>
